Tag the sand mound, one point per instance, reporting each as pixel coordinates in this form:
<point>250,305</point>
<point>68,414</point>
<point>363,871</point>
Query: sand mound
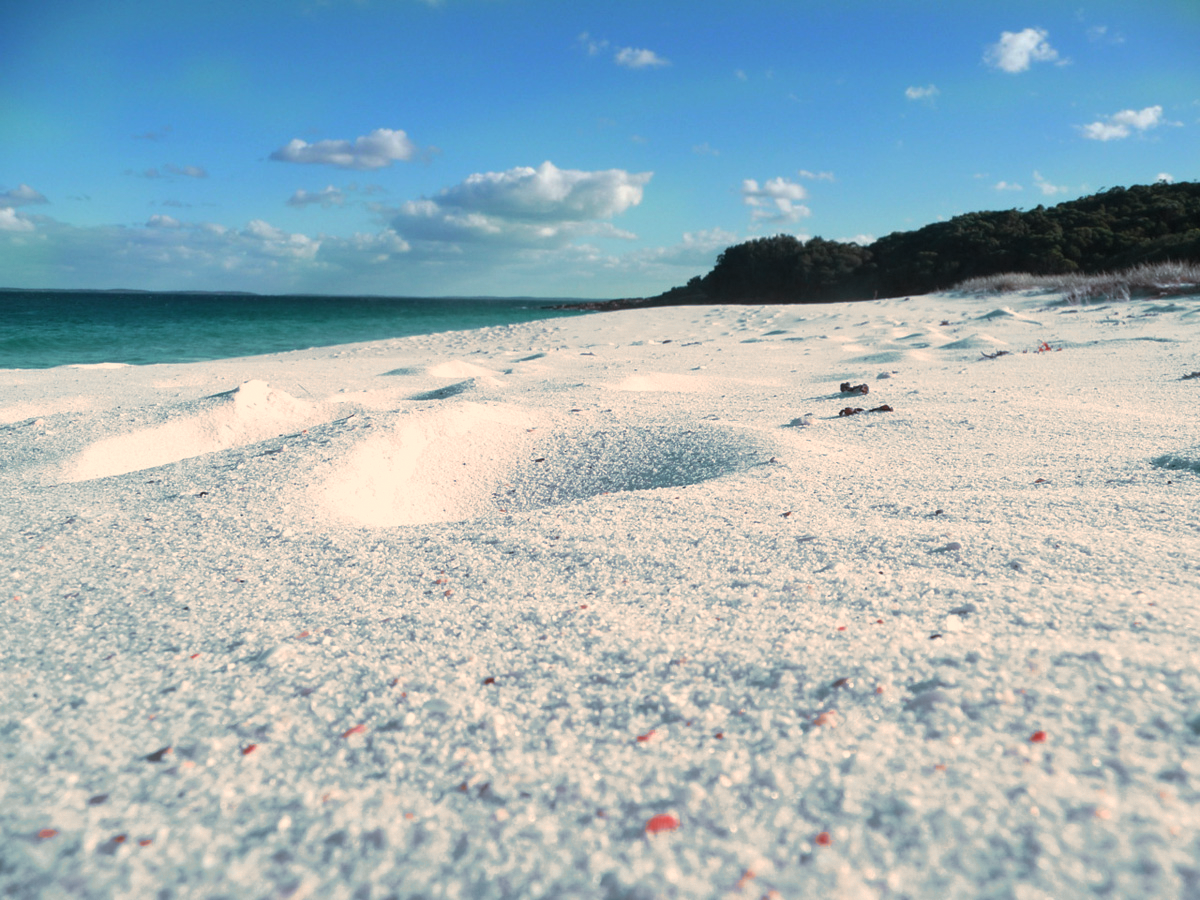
<point>250,413</point>
<point>473,460</point>
<point>1005,312</point>
<point>978,340</point>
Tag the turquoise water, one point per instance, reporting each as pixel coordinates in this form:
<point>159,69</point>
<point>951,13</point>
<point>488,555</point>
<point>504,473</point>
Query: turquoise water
<point>40,329</point>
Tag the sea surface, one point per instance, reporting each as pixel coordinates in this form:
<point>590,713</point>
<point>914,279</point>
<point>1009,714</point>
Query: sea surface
<point>40,329</point>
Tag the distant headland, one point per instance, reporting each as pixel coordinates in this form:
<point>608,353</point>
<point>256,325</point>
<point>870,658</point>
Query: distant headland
<point>1115,229</point>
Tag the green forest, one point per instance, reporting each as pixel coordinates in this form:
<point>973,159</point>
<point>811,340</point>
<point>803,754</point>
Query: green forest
<point>1110,230</point>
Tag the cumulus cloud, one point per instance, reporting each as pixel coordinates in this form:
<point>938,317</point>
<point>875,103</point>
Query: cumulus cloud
<point>591,45</point>
<point>21,195</point>
<point>629,57</point>
<point>1016,51</point>
<point>1100,34</point>
<point>186,171</point>
<point>325,198</point>
<point>697,250</point>
<point>776,201</point>
<point>533,207</point>
<point>379,149</point>
<point>922,93</point>
<point>166,254</point>
<point>10,221</point>
<point>169,170</point>
<point>1123,124</point>
<point>1165,178</point>
<point>1047,189</point>
<point>1008,186</point>
<point>636,58</point>
<point>816,176</point>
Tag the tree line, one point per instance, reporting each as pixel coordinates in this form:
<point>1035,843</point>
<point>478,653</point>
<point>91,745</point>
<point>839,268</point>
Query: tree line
<point>1109,230</point>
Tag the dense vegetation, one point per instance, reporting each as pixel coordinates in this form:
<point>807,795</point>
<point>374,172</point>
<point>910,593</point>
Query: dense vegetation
<point>1115,229</point>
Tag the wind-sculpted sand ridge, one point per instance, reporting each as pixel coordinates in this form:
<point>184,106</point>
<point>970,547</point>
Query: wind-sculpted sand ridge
<point>619,606</point>
<point>244,415</point>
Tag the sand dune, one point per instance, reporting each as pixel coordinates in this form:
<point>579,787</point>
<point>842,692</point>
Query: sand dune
<point>628,605</point>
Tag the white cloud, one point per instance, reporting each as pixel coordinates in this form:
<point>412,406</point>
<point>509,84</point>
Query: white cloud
<point>326,197</point>
<point>380,148</point>
<point>187,171</point>
<point>1017,51</point>
<point>166,253</point>
<point>546,206</point>
<point>1099,34</point>
<point>705,150</point>
<point>922,93</point>
<point>629,57</point>
<point>697,249</point>
<point>634,58</point>
<point>776,201</point>
<point>592,46</point>
<point>1165,178</point>
<point>21,195</point>
<point>815,176</point>
<point>1123,124</point>
<point>1048,189</point>
<point>169,169</point>
<point>1008,186</point>
<point>10,221</point>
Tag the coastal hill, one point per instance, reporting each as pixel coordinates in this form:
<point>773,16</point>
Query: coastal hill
<point>1114,229</point>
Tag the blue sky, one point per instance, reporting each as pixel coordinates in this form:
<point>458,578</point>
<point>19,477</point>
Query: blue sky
<point>540,147</point>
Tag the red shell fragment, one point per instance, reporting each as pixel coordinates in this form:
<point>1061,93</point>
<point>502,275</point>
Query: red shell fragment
<point>661,822</point>
<point>248,749</point>
<point>357,729</point>
<point>47,833</point>
<point>823,839</point>
<point>649,735</point>
<point>1038,737</point>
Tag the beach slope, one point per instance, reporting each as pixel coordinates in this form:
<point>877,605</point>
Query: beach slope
<point>886,599</point>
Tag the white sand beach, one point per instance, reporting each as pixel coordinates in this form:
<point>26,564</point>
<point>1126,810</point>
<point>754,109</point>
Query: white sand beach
<point>615,606</point>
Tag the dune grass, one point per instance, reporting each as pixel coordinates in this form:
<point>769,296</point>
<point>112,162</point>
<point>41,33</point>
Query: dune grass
<point>1163,279</point>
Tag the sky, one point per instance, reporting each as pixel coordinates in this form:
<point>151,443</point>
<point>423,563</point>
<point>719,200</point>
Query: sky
<point>550,148</point>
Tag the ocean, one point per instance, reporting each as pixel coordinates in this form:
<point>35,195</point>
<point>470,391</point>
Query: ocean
<point>41,329</point>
